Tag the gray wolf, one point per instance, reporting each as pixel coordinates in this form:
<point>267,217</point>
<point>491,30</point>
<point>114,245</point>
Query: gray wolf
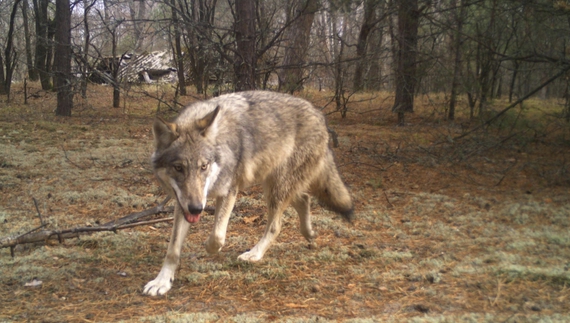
<point>215,148</point>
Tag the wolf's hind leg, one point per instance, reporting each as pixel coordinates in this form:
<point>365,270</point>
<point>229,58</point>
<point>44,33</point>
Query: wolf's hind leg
<point>302,204</point>
<point>272,230</point>
<point>224,207</point>
<point>163,281</point>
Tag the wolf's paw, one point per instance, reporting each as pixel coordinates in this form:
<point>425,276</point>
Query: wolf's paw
<point>213,245</point>
<point>250,256</point>
<point>310,235</point>
<point>160,285</point>
<point>312,245</point>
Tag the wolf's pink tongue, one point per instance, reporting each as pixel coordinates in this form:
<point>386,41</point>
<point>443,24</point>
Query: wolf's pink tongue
<point>192,218</point>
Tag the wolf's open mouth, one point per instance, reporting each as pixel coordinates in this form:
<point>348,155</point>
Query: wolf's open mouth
<point>192,218</point>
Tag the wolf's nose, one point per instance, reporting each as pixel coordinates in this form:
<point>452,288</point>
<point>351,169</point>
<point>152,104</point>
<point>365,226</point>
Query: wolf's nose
<point>193,209</point>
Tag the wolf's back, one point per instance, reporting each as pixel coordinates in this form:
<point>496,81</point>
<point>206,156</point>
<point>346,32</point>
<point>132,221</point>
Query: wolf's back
<point>311,136</point>
<point>277,135</point>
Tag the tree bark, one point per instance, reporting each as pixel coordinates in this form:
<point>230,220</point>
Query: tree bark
<point>245,57</point>
<point>407,39</point>
<point>198,19</point>
<point>365,30</point>
<point>32,73</point>
<point>9,59</point>
<point>138,18</point>
<point>339,93</point>
<point>297,37</point>
<point>457,40</point>
<point>374,75</point>
<point>50,50</point>
<point>178,50</point>
<point>42,47</point>
<point>86,44</point>
<point>513,80</point>
<point>62,63</point>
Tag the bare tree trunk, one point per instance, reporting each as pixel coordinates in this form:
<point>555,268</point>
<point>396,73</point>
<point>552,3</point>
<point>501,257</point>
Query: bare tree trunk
<point>32,73</point>
<point>339,92</point>
<point>86,45</point>
<point>138,18</point>
<point>487,48</point>
<point>178,50</point>
<point>513,80</point>
<point>375,41</point>
<point>2,75</point>
<point>297,37</point>
<point>457,40</point>
<point>50,50</point>
<point>10,57</point>
<point>365,30</point>
<point>111,26</point>
<point>42,42</point>
<point>245,58</point>
<point>198,19</point>
<point>408,22</point>
<point>62,63</point>
<point>115,66</point>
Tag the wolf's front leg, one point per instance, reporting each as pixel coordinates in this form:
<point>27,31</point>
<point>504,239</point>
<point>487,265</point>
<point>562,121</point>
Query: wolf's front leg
<point>163,281</point>
<point>224,207</point>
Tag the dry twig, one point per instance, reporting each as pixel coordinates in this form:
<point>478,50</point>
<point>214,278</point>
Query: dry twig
<point>128,221</point>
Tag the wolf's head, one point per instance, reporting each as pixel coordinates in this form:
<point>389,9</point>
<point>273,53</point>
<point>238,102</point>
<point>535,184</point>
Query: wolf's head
<point>185,161</point>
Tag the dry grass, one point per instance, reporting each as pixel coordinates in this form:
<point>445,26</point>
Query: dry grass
<point>470,231</point>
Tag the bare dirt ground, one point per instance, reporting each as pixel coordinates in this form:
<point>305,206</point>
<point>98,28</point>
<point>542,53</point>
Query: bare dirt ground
<point>470,230</point>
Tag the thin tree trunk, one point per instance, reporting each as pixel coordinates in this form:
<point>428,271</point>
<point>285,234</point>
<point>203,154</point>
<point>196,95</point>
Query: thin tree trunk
<point>178,50</point>
<point>50,51</point>
<point>374,75</point>
<point>86,45</point>
<point>365,30</point>
<point>513,80</point>
<point>339,94</point>
<point>10,56</point>
<point>297,37</point>
<point>459,18</point>
<point>245,58</point>
<point>62,63</point>
<point>138,18</point>
<point>115,65</point>
<point>487,57</point>
<point>408,22</point>
<point>32,73</point>
<point>41,52</point>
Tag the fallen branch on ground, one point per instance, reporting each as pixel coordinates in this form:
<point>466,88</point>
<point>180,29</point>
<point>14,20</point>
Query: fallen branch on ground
<point>129,221</point>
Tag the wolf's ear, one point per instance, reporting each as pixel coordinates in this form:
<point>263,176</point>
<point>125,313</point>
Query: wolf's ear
<point>164,133</point>
<point>205,124</point>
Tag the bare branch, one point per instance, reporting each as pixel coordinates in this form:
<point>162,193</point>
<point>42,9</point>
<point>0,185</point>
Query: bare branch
<point>528,95</point>
<point>128,221</point>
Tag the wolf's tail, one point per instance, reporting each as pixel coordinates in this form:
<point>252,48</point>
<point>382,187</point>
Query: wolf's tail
<point>329,189</point>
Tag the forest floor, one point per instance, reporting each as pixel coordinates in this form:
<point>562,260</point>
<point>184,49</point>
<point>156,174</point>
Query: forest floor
<point>473,229</point>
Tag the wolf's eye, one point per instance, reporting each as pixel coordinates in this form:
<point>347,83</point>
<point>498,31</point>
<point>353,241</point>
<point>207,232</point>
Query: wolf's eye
<point>178,168</point>
<point>204,167</point>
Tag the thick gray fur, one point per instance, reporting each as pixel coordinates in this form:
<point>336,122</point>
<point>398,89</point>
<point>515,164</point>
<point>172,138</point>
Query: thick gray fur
<point>217,147</point>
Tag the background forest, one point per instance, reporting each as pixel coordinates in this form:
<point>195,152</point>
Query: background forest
<point>462,208</point>
<point>478,49</point>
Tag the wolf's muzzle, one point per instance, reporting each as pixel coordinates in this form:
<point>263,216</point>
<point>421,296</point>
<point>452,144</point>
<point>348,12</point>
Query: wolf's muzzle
<point>193,209</point>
